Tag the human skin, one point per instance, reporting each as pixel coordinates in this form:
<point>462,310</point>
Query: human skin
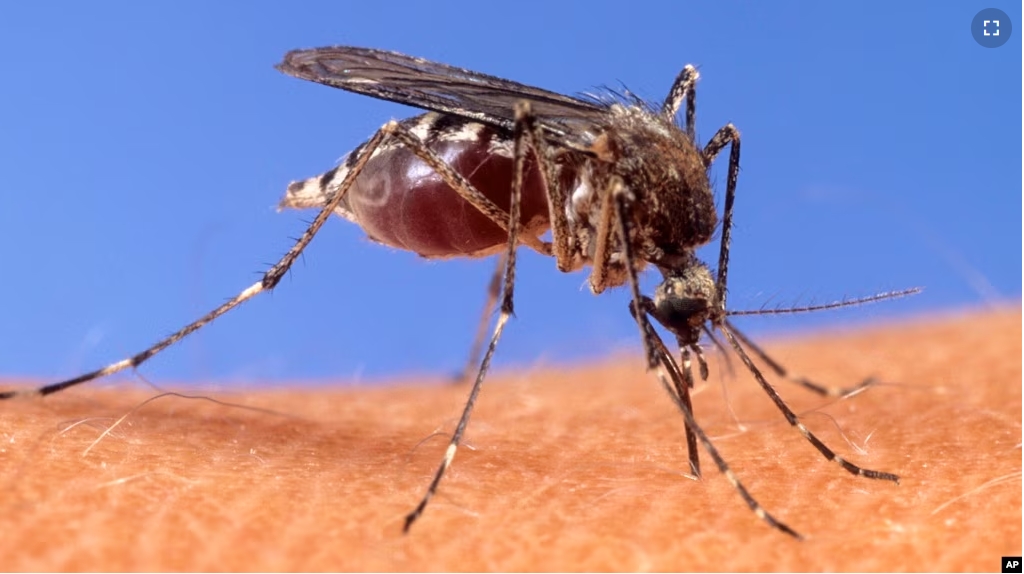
<point>563,469</point>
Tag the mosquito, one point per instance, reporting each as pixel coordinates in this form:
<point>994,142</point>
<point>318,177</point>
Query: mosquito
<point>494,165</point>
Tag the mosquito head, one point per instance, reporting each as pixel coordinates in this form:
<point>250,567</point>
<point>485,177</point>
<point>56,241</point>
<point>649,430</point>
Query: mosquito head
<point>685,300</point>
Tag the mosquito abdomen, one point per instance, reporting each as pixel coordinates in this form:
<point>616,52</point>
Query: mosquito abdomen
<point>401,201</point>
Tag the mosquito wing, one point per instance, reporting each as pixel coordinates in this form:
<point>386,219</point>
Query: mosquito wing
<point>443,88</point>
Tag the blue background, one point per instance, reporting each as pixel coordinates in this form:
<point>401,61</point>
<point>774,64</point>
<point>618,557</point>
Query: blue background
<point>143,147</point>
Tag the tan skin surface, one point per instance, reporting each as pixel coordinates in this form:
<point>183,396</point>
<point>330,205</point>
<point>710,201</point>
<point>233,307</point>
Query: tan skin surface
<point>574,469</point>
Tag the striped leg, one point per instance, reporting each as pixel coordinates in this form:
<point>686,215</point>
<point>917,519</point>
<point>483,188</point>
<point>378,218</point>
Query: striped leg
<point>523,126</point>
<point>795,420</point>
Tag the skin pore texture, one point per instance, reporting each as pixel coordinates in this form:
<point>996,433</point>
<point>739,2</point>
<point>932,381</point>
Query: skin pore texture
<point>568,468</point>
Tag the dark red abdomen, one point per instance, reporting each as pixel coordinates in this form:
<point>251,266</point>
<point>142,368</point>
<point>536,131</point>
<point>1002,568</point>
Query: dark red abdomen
<point>400,201</point>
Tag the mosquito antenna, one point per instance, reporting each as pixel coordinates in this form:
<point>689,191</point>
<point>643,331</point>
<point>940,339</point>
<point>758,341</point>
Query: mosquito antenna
<point>835,305</point>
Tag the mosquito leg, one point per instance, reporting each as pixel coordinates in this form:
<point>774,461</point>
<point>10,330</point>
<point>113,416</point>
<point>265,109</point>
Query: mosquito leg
<point>794,420</point>
<point>605,235</point>
<point>684,87</point>
<point>723,467</point>
<point>640,306</point>
<point>493,290</point>
<point>269,281</point>
<point>523,124</point>
<point>726,135</point>
<point>621,200</point>
<point>563,241</point>
<point>561,236</point>
<point>681,378</point>
<point>603,242</point>
<point>794,378</point>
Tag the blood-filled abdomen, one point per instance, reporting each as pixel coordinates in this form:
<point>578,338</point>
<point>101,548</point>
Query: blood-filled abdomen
<point>401,201</point>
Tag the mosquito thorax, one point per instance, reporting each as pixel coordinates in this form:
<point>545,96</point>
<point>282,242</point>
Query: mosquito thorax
<point>665,171</point>
<point>685,300</point>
